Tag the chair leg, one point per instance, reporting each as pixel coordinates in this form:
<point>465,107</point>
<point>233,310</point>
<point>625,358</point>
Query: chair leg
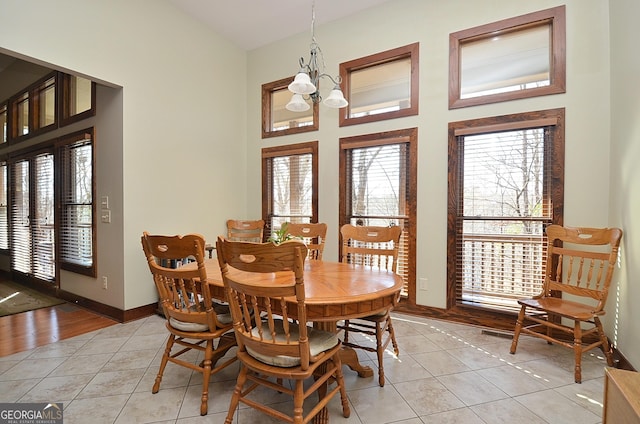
<point>516,332</point>
<point>163,363</point>
<point>346,411</point>
<point>206,375</point>
<point>606,346</point>
<point>237,391</point>
<point>577,349</point>
<point>298,401</point>
<point>392,334</point>
<point>380,352</point>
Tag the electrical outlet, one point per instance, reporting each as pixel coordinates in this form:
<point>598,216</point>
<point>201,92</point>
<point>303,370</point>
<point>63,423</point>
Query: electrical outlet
<point>422,283</point>
<point>104,283</point>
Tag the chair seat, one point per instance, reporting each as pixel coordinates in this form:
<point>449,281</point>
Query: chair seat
<point>561,307</point>
<point>222,314</point>
<point>319,341</point>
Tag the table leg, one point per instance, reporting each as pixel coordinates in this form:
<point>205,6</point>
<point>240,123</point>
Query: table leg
<point>348,355</point>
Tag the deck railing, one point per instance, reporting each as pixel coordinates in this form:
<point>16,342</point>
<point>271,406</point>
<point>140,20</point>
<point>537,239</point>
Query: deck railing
<point>496,270</point>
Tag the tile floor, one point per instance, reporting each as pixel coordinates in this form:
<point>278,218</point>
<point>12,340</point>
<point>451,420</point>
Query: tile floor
<point>446,373</point>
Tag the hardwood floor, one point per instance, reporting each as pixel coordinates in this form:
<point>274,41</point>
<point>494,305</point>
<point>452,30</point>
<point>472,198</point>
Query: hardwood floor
<point>28,330</point>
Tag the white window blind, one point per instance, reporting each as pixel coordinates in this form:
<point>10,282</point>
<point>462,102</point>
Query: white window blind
<point>4,216</point>
<point>76,222</point>
<point>290,185</point>
<point>377,192</point>
<point>43,220</point>
<point>20,226</point>
<point>504,187</point>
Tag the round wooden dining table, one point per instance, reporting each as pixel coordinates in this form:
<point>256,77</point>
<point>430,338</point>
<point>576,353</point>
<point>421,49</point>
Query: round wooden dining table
<point>333,291</point>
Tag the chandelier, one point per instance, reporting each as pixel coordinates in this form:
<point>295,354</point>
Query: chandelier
<point>305,83</point>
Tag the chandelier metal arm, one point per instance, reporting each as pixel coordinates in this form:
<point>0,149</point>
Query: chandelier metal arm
<point>307,85</point>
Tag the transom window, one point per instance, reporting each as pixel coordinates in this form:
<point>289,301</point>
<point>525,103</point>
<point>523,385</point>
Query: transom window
<point>510,59</point>
<point>277,120</point>
<point>381,86</point>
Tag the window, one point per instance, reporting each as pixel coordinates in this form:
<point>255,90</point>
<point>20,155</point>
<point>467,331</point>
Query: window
<point>381,86</point>
<point>510,59</point>
<point>77,246</point>
<point>289,185</point>
<point>276,119</point>
<point>3,123</point>
<point>4,216</point>
<point>78,98</point>
<point>378,186</point>
<point>34,110</point>
<point>21,115</point>
<point>45,103</point>
<point>505,187</point>
<point>63,176</point>
<point>32,229</point>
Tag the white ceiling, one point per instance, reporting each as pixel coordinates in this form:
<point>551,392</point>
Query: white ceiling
<point>254,23</point>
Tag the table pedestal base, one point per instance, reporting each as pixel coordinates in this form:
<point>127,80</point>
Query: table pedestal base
<point>349,357</point>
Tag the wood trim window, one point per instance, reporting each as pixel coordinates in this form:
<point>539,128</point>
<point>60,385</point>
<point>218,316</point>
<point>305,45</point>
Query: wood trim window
<point>52,219</point>
<point>78,99</point>
<point>32,216</point>
<point>511,59</point>
<point>277,120</point>
<point>75,155</point>
<point>52,102</point>
<point>381,86</point>
<point>4,123</point>
<point>506,184</point>
<point>378,186</point>
<point>289,185</point>
<point>4,210</point>
<point>34,110</point>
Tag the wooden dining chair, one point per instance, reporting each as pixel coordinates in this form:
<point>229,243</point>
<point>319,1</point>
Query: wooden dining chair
<point>313,235</point>
<point>191,318</point>
<point>273,349</point>
<point>245,230</point>
<point>578,269</point>
<point>376,247</point>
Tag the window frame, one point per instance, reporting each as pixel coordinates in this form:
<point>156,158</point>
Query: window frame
<point>555,17</point>
<point>411,51</point>
<point>65,93</point>
<point>62,144</point>
<point>33,95</point>
<point>410,137</point>
<point>551,117</point>
<point>267,112</point>
<point>268,154</point>
<point>4,135</point>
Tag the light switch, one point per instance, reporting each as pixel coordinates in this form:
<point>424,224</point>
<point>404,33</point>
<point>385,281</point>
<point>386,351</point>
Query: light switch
<point>104,202</point>
<point>106,216</point>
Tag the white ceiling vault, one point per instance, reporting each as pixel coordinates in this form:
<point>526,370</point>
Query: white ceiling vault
<point>254,23</point>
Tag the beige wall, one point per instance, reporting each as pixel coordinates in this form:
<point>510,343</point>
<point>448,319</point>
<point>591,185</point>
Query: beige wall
<point>172,158</point>
<point>623,314</point>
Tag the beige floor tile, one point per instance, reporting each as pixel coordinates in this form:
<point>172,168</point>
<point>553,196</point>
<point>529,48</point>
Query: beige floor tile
<point>428,396</point>
<point>471,388</point>
<point>557,409</point>
<point>108,374</point>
